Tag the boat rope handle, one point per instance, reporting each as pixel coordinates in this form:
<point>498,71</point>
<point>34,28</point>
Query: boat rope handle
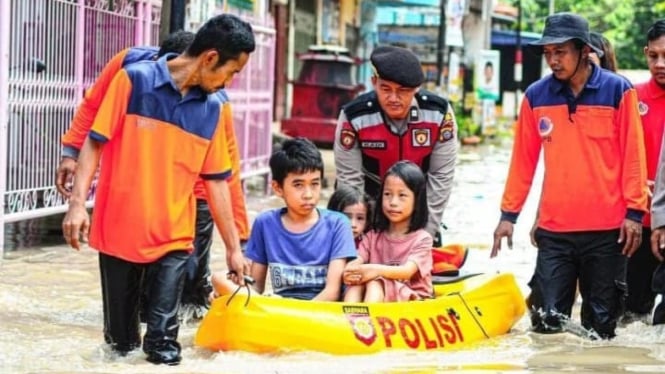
<point>248,281</point>
<point>472,314</point>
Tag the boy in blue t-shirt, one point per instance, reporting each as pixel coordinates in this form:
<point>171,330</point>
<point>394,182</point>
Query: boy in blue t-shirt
<point>302,248</point>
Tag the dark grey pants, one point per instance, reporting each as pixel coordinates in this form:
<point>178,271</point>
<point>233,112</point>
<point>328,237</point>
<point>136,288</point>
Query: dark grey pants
<point>595,259</point>
<point>641,265</point>
<point>122,283</point>
<point>197,272</point>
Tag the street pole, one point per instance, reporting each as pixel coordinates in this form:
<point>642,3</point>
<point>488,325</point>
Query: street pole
<point>165,20</point>
<point>177,16</point>
<point>551,3</point>
<point>518,58</point>
<point>441,46</point>
<point>5,44</point>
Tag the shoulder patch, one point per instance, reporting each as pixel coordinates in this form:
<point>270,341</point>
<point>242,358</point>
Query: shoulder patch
<point>430,100</point>
<point>447,129</point>
<point>363,104</point>
<point>347,138</point>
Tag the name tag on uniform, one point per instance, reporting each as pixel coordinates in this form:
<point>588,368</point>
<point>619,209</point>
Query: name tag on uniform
<point>373,144</point>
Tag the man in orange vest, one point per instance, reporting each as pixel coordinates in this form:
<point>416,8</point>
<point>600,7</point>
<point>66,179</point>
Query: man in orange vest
<point>593,198</point>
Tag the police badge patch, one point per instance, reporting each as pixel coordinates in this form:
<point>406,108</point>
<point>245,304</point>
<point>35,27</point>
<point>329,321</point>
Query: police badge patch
<point>421,138</point>
<point>446,131</point>
<point>347,138</point>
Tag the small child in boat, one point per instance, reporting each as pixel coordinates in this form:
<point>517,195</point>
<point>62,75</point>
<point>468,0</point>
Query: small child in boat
<point>394,259</point>
<point>302,248</point>
<point>354,204</point>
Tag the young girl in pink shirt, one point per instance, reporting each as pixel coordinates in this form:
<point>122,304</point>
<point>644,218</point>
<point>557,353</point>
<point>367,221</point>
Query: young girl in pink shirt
<point>394,259</point>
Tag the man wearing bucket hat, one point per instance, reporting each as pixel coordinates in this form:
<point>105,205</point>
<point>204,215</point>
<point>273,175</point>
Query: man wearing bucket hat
<point>593,197</point>
<point>398,121</point>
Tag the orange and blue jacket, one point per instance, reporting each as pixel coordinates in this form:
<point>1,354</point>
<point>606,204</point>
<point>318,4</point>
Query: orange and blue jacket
<point>73,139</point>
<point>595,164</point>
<point>157,143</point>
<point>651,106</point>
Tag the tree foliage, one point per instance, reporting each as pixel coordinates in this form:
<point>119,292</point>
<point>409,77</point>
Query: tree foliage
<point>623,22</point>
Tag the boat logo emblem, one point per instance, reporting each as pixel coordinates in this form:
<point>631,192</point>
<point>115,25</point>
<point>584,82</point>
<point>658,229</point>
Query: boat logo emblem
<point>361,323</point>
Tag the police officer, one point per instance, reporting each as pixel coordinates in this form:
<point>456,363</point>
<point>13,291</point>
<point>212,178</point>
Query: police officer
<point>398,121</point>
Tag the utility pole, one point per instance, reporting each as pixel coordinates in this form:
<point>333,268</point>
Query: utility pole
<point>441,46</point>
<point>177,21</point>
<point>518,58</point>
<point>165,23</point>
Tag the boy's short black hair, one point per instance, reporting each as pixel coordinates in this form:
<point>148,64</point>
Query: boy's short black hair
<point>415,180</point>
<point>227,34</point>
<point>656,30</point>
<point>176,42</point>
<point>297,155</point>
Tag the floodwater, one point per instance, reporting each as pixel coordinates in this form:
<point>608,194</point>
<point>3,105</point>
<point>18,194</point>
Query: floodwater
<point>50,309</point>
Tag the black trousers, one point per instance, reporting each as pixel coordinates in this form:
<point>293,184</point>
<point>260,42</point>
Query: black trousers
<point>641,266</point>
<point>122,282</point>
<point>197,272</point>
<point>595,259</point>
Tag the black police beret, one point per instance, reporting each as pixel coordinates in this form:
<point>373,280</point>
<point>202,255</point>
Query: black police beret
<point>397,65</point>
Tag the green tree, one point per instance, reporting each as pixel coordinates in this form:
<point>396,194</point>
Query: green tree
<point>623,22</point>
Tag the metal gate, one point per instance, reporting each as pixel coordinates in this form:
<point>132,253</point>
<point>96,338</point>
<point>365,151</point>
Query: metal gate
<point>50,51</point>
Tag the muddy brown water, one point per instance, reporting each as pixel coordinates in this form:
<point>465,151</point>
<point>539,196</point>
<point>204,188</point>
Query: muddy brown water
<point>50,307</point>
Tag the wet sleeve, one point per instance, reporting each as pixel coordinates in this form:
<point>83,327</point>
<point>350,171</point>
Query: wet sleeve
<point>348,157</point>
<point>343,245</point>
<point>217,163</point>
<point>112,112</point>
<point>658,199</point>
<point>441,171</point>
<point>634,168</point>
<point>523,162</point>
<point>235,183</point>
<point>421,254</point>
<point>73,139</point>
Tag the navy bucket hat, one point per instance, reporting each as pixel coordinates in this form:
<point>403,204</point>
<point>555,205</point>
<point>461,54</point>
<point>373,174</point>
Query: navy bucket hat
<point>562,27</point>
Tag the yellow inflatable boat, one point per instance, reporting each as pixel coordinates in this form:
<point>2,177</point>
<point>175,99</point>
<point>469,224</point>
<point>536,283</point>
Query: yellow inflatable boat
<point>466,309</point>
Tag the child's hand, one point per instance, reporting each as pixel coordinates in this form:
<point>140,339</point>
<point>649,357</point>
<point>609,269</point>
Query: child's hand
<point>359,274</point>
<point>351,278</point>
<point>352,274</point>
<point>368,272</point>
